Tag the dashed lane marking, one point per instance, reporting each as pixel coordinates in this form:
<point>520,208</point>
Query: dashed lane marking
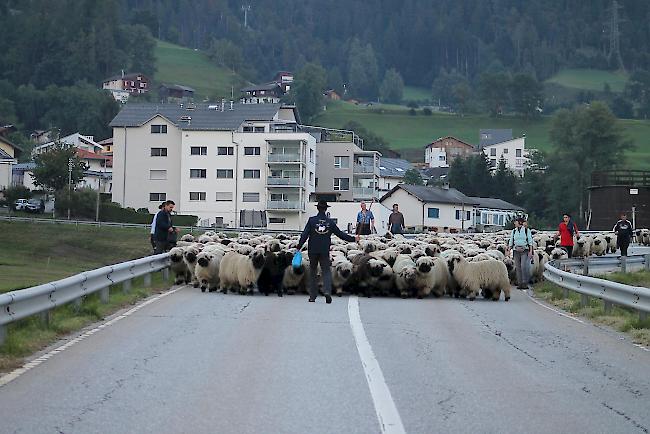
<point>389,418</point>
<point>5,379</point>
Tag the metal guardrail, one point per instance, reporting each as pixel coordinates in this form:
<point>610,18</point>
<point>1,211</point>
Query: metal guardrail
<point>191,229</point>
<point>635,297</point>
<point>16,305</point>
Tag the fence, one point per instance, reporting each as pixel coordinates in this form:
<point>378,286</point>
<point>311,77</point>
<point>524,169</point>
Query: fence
<point>16,305</point>
<point>635,297</point>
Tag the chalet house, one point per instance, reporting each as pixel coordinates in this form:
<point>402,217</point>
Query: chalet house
<point>178,92</point>
<point>442,152</point>
<point>332,95</point>
<point>121,86</point>
<point>285,80</point>
<point>262,93</point>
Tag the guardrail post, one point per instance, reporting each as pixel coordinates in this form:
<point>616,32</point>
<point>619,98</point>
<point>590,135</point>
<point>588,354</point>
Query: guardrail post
<point>3,333</point>
<point>643,315</point>
<point>565,292</point>
<point>584,300</point>
<point>585,266</point>
<point>126,286</point>
<point>608,306</point>
<point>104,294</point>
<point>646,259</point>
<point>147,280</point>
<point>165,274</point>
<point>46,316</point>
<point>624,264</point>
<point>77,303</point>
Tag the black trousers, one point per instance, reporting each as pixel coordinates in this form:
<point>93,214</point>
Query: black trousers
<point>324,260</point>
<point>569,250</point>
<point>623,244</point>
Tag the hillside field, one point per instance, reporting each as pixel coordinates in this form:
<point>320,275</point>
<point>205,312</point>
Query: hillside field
<point>590,79</point>
<point>180,65</point>
<point>409,134</point>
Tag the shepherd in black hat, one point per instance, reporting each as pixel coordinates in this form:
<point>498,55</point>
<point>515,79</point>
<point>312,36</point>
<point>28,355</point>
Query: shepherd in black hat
<point>319,230</point>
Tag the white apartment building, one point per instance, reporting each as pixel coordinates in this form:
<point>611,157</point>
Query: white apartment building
<point>218,162</point>
<point>513,151</point>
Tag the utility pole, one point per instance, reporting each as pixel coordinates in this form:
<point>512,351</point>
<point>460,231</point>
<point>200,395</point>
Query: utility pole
<point>246,9</point>
<point>614,35</point>
<point>70,163</point>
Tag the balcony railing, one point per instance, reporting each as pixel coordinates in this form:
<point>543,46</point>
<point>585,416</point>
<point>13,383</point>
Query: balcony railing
<point>365,169</point>
<point>364,192</point>
<point>284,158</point>
<point>297,182</point>
<point>285,205</point>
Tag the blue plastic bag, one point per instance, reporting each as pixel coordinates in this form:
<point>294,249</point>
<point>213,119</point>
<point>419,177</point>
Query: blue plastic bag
<point>297,260</point>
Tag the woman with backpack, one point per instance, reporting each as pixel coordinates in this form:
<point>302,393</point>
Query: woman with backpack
<point>566,231</point>
<point>521,244</point>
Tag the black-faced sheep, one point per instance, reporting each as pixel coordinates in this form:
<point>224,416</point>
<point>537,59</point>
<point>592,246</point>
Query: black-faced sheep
<point>405,275</point>
<point>189,256</point>
<point>178,266</point>
<point>207,269</point>
<point>431,276</point>
<point>491,276</point>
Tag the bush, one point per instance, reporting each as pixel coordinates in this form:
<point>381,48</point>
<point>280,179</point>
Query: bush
<point>113,212</point>
<point>412,112</point>
<point>412,104</point>
<point>82,202</point>
<point>143,211</point>
<point>12,194</point>
<point>426,111</point>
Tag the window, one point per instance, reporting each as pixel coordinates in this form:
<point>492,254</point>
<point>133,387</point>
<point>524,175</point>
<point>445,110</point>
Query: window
<point>388,185</point>
<point>197,195</point>
<point>247,129</point>
<point>198,173</point>
<point>311,178</point>
<point>277,220</point>
<point>251,197</point>
<point>493,152</point>
<point>467,215</point>
<point>252,150</point>
<point>316,183</point>
<point>157,197</point>
<point>517,152</point>
<point>279,197</point>
<point>225,150</point>
<point>224,173</point>
<point>341,184</point>
<point>259,129</point>
<point>311,155</point>
<point>441,158</point>
<point>224,196</point>
<point>505,150</point>
<point>158,152</point>
<point>251,174</point>
<point>157,174</point>
<point>199,150</point>
<point>341,162</point>
<point>433,213</point>
<point>158,129</point>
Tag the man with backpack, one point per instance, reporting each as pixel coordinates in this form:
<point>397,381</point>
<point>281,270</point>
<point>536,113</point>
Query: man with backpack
<point>521,244</point>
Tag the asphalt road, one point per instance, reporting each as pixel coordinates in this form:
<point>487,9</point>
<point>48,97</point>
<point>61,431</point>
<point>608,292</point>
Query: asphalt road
<point>211,363</point>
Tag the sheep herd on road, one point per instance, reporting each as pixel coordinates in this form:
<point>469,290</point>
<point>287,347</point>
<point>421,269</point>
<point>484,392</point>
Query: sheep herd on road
<point>435,265</point>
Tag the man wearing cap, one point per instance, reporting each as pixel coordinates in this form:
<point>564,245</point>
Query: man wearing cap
<point>319,230</point>
<point>521,243</point>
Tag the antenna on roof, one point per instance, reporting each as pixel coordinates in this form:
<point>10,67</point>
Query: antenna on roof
<point>223,104</point>
<point>231,103</point>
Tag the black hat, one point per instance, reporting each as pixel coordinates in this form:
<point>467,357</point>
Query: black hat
<point>521,219</point>
<point>322,204</point>
<point>162,205</point>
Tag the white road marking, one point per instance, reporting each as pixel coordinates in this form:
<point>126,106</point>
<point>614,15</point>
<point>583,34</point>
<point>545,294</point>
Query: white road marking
<point>554,310</point>
<point>5,379</point>
<point>389,419</point>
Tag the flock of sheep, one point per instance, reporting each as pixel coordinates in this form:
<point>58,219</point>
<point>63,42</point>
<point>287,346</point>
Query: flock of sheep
<point>430,264</point>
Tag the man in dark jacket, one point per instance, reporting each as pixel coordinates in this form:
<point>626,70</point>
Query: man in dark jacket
<point>319,230</point>
<point>624,233</point>
<point>164,227</point>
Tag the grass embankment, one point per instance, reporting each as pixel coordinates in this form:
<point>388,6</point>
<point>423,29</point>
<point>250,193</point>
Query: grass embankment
<point>181,65</point>
<point>409,134</point>
<point>32,254</point>
<point>620,318</point>
<point>590,79</point>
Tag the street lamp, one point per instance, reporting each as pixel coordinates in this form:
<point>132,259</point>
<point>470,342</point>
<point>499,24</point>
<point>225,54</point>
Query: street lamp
<point>70,164</point>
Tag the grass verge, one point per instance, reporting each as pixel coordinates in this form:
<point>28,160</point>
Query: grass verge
<point>619,318</point>
<point>27,336</point>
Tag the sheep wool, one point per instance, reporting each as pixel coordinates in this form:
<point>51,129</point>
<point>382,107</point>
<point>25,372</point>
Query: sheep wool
<point>491,276</point>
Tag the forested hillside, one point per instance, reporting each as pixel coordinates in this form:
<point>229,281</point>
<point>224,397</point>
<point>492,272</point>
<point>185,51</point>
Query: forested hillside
<point>419,38</point>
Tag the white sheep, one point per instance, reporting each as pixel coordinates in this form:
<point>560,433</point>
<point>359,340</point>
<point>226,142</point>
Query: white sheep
<point>189,256</point>
<point>598,245</point>
<point>341,271</point>
<point>431,276</point>
<point>558,253</point>
<point>295,280</point>
<point>405,274</point>
<point>179,267</point>
<point>207,268</point>
<point>491,276</point>
<point>240,272</point>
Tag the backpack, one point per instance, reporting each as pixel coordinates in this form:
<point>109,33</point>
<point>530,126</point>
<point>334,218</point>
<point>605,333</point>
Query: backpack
<point>512,237</point>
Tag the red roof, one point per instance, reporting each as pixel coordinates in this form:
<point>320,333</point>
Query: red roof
<point>450,137</point>
<point>87,155</point>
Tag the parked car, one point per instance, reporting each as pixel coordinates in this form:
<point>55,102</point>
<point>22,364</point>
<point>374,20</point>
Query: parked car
<point>20,204</point>
<point>34,205</point>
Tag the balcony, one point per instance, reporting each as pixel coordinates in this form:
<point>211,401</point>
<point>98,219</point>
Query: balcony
<point>363,169</point>
<point>284,158</point>
<point>364,192</point>
<point>289,182</point>
<point>284,205</point>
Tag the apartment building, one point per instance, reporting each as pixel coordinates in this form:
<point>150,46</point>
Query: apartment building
<point>497,143</point>
<point>345,171</point>
<point>218,162</point>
